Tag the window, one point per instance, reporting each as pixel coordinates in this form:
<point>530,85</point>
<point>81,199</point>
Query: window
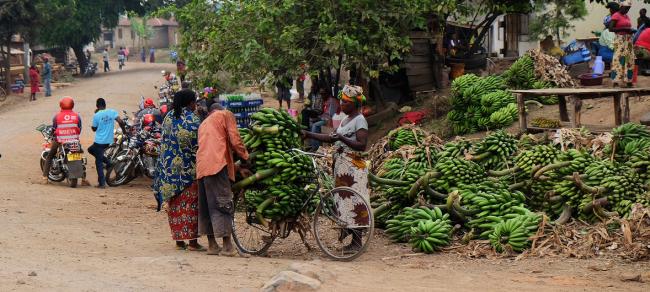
<point>119,33</point>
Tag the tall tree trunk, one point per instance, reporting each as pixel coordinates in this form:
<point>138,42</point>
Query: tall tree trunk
<point>81,58</point>
<point>377,94</point>
<point>338,75</point>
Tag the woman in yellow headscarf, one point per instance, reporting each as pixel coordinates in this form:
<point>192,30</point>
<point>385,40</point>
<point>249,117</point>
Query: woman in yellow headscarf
<point>350,169</point>
<point>623,61</point>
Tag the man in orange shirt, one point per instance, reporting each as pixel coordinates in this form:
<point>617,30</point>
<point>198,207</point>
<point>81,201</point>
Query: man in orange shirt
<point>215,169</point>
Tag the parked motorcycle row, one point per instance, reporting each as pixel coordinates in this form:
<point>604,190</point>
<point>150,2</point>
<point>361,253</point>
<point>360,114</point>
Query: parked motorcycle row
<point>133,153</point>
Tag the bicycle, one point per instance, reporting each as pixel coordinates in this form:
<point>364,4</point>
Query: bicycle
<point>333,230</point>
<point>3,92</point>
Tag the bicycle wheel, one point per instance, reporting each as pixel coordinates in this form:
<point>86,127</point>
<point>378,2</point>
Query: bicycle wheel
<point>343,224</point>
<point>249,236</point>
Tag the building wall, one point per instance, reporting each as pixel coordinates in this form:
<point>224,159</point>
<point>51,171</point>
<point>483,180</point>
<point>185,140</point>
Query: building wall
<point>160,38</point>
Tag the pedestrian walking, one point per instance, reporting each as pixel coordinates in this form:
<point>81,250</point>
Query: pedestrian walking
<point>34,81</point>
<point>152,56</point>
<point>143,55</point>
<point>126,53</point>
<point>175,181</point>
<point>103,126</point>
<point>105,58</point>
<point>623,62</point>
<point>219,140</point>
<point>47,76</point>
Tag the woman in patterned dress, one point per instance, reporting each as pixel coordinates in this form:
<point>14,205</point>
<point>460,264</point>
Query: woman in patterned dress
<point>623,61</point>
<point>176,170</point>
<point>350,169</point>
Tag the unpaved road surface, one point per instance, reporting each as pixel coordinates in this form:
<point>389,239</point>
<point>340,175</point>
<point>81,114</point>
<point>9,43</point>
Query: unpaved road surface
<point>86,239</point>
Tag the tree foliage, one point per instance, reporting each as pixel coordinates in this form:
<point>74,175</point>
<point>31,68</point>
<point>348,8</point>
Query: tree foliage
<point>16,17</point>
<point>555,17</point>
<point>75,23</point>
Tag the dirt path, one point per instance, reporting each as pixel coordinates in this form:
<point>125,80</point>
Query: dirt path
<point>98,240</point>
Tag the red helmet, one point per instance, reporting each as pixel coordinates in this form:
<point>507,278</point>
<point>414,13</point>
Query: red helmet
<point>163,109</point>
<point>148,119</point>
<point>148,102</point>
<point>66,103</point>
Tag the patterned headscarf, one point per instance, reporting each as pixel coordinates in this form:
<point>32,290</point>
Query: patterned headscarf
<point>352,93</point>
<point>625,3</point>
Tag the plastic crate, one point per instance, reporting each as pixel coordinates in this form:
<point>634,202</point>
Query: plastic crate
<point>239,104</point>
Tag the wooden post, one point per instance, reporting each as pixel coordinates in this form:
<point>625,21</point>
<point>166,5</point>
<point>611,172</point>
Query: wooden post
<point>617,109</point>
<point>564,116</point>
<point>521,106</point>
<point>626,108</point>
<point>577,106</point>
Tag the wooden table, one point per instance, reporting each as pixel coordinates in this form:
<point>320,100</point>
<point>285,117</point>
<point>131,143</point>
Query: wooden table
<point>621,112</point>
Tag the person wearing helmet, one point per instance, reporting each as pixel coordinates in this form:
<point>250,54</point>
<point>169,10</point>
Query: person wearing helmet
<point>149,107</point>
<point>103,126</point>
<point>67,128</point>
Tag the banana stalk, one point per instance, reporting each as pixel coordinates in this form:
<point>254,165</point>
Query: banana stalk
<point>498,173</point>
<point>551,167</point>
<point>586,188</point>
<point>260,175</point>
<point>565,216</point>
<point>384,181</point>
<point>421,183</point>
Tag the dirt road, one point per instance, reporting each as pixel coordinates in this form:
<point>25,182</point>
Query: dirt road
<point>86,239</point>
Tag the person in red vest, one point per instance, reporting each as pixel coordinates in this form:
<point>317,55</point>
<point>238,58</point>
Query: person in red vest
<point>642,45</point>
<point>67,128</point>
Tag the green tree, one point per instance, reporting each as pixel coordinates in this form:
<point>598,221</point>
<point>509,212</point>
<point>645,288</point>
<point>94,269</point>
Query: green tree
<point>555,18</point>
<point>16,17</point>
<point>76,23</point>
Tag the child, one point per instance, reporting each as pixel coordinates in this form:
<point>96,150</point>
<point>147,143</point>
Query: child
<point>20,83</point>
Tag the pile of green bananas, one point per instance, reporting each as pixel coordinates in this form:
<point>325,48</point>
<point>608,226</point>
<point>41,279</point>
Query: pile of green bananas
<point>454,172</point>
<point>495,150</point>
<point>277,202</point>
<point>430,235</point>
<point>546,123</point>
<point>480,103</point>
<point>521,74</point>
<point>455,149</point>
<point>405,136</point>
<point>489,199</point>
<point>399,228</point>
<point>277,187</point>
<point>515,232</point>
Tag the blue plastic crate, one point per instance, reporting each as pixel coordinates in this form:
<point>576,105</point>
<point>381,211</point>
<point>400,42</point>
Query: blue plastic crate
<point>580,56</point>
<point>246,103</point>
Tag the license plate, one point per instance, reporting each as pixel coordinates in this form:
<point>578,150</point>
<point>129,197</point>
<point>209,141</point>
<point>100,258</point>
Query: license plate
<point>74,156</point>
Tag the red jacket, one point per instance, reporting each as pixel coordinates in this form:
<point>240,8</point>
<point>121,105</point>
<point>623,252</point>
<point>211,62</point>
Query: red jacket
<point>34,80</point>
<point>67,126</point>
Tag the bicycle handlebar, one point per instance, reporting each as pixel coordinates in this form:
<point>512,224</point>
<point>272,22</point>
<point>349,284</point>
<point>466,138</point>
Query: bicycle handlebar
<point>307,153</point>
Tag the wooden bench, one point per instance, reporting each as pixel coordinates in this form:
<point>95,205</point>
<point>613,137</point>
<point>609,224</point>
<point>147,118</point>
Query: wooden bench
<point>621,110</point>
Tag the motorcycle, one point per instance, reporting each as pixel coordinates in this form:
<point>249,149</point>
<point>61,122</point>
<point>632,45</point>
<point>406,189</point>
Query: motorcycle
<point>120,139</point>
<point>91,68</point>
<point>138,158</point>
<point>69,162</point>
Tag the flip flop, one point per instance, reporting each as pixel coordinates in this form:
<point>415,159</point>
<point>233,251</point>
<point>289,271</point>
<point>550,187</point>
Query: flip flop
<point>214,252</point>
<point>196,248</point>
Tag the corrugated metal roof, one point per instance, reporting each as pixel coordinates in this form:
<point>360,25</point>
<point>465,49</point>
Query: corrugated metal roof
<point>150,22</point>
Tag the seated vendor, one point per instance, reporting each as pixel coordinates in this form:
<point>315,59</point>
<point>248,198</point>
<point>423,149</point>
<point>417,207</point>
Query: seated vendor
<point>642,45</point>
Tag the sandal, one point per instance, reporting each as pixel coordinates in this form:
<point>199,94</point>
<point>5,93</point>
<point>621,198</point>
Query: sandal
<point>232,253</point>
<point>196,247</point>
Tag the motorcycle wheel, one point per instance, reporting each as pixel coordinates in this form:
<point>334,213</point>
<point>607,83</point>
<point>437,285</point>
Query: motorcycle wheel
<point>149,161</point>
<point>72,182</point>
<point>113,174</point>
<point>53,176</point>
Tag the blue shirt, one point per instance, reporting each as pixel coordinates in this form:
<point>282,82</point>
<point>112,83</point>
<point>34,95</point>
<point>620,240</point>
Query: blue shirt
<point>47,71</point>
<point>104,122</point>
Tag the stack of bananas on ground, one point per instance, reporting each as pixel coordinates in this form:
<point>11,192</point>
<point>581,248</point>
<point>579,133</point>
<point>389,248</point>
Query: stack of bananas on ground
<point>405,136</point>
<point>425,229</point>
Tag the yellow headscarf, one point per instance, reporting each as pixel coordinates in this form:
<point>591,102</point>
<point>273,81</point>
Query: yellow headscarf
<point>352,93</point>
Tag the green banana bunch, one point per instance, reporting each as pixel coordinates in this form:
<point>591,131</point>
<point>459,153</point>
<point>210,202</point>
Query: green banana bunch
<point>540,155</point>
<point>495,150</point>
<point>483,86</point>
<point>515,232</point>
<point>399,227</point>
<point>521,74</point>
<point>504,117</point>
<point>430,235</point>
<point>462,83</point>
<point>455,149</point>
<point>277,202</point>
<point>405,136</point>
<point>454,172</point>
<point>493,101</point>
